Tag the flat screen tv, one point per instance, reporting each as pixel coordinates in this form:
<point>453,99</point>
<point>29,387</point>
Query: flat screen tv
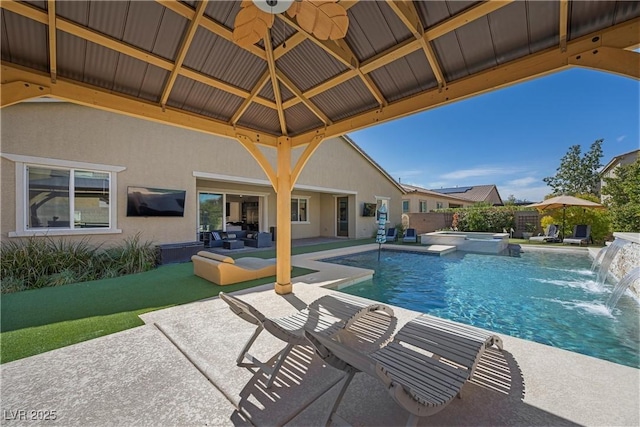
<point>369,209</point>
<point>145,201</point>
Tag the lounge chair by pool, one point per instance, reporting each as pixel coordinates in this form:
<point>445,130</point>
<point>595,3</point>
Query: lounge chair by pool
<point>325,316</point>
<point>550,235</point>
<point>410,235</point>
<point>392,234</point>
<point>423,368</point>
<point>581,234</point>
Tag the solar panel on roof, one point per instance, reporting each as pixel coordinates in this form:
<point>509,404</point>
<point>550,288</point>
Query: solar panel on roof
<point>452,190</point>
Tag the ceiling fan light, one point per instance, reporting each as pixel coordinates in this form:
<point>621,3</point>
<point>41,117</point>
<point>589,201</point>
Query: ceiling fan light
<point>273,6</point>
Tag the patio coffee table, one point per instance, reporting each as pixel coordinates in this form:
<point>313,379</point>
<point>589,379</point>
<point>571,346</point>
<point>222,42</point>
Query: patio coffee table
<point>233,244</point>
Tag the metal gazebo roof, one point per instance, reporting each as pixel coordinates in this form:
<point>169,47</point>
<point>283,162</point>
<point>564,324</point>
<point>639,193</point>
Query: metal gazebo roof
<point>176,62</point>
<point>398,57</point>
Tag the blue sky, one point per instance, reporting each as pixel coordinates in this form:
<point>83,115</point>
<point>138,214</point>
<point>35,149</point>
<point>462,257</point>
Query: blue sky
<point>513,137</point>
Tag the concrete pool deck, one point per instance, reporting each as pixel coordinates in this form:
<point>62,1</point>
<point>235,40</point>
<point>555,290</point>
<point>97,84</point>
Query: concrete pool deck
<point>179,369</point>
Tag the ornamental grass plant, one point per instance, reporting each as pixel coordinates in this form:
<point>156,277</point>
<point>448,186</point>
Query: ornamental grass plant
<point>46,261</point>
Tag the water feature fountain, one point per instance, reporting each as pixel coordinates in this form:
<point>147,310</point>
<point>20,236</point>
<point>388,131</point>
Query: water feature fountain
<point>622,286</point>
<point>609,254</point>
<point>620,261</point>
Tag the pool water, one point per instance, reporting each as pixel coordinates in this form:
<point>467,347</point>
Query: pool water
<point>543,296</point>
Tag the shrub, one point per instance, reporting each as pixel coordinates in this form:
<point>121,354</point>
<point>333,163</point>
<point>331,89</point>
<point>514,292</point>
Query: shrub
<point>487,219</point>
<point>41,262</point>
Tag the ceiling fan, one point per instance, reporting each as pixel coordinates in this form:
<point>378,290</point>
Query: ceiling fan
<point>325,19</point>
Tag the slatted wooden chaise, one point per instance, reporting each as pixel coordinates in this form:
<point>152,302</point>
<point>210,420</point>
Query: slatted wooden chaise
<point>325,316</point>
<point>423,368</point>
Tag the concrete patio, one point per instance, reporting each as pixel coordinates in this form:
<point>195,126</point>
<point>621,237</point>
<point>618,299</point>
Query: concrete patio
<point>179,369</point>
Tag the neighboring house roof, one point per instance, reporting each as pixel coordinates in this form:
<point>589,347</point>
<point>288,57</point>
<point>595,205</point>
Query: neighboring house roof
<point>415,189</point>
<point>373,162</point>
<point>617,159</point>
<point>475,193</point>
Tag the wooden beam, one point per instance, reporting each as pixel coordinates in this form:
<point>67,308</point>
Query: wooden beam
<point>134,52</point>
<point>311,147</point>
<point>310,105</point>
<point>182,52</point>
<point>407,47</point>
<point>408,14</point>
<point>625,63</point>
<point>259,157</point>
<point>53,52</point>
<point>551,60</point>
<point>329,46</point>
<point>248,100</point>
<point>20,90</point>
<point>95,97</point>
<point>564,24</point>
<point>283,218</point>
<point>271,62</point>
<point>373,88</point>
<point>211,25</point>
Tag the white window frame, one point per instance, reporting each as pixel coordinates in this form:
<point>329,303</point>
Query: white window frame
<point>22,199</point>
<point>423,203</point>
<point>298,198</point>
<point>439,205</point>
<point>408,202</point>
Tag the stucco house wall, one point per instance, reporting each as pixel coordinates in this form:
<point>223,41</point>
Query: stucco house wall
<point>157,155</point>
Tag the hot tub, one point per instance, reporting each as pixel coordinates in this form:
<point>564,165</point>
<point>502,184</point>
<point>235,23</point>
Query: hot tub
<point>489,243</point>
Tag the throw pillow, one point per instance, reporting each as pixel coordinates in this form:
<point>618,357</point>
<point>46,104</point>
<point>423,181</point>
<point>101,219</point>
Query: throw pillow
<point>249,235</point>
<point>224,235</point>
<point>215,235</point>
<point>231,236</point>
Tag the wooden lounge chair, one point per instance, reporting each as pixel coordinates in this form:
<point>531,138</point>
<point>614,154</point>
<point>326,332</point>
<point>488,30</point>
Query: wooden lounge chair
<point>410,235</point>
<point>423,368</point>
<point>550,235</point>
<point>325,317</point>
<point>581,234</point>
<point>223,270</point>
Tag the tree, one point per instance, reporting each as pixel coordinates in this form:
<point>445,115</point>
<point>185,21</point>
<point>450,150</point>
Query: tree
<point>623,202</point>
<point>578,174</point>
<point>511,200</point>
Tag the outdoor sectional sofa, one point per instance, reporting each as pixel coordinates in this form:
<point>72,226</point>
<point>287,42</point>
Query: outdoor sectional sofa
<point>250,238</point>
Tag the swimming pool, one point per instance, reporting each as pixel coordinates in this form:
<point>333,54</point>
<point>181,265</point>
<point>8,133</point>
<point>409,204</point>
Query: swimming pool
<point>550,297</point>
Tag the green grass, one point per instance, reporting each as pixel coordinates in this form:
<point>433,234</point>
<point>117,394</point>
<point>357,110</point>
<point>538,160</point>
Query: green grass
<point>39,320</point>
<point>44,319</point>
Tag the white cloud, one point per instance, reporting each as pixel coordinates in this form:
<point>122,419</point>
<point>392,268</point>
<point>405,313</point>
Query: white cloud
<point>523,182</point>
<point>480,172</point>
<point>621,138</point>
<point>524,192</point>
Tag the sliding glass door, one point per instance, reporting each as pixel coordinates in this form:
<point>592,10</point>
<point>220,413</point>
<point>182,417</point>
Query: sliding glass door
<point>211,211</point>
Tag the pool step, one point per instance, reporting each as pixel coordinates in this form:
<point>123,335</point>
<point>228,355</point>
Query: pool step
<point>440,249</point>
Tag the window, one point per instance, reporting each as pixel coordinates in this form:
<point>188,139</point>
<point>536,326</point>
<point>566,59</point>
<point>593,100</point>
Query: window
<point>439,205</point>
<point>423,206</point>
<point>299,209</point>
<point>210,210</point>
<point>67,198</point>
<point>405,206</point>
<point>57,197</point>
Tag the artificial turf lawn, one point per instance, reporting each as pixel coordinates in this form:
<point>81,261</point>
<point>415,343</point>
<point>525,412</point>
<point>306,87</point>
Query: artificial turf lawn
<point>40,320</point>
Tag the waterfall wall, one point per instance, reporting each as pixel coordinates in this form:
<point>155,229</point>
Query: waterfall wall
<point>626,259</point>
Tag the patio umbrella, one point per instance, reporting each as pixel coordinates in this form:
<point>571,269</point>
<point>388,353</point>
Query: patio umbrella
<point>562,202</point>
<point>381,237</point>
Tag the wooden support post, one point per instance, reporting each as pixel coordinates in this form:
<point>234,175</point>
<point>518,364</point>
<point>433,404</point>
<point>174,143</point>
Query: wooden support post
<point>283,241</point>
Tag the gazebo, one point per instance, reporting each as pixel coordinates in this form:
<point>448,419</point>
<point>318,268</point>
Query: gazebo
<point>284,76</point>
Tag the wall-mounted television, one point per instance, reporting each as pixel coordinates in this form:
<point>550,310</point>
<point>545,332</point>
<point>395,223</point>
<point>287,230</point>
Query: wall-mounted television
<point>369,209</point>
<point>145,201</point>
